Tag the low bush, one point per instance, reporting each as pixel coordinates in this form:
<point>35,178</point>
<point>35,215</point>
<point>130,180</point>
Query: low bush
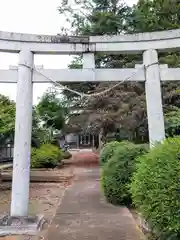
<point>66,155</point>
<point>46,156</point>
<point>117,173</point>
<point>155,188</point>
<point>108,151</point>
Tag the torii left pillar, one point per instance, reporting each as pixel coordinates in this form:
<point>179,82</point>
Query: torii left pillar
<point>23,129</point>
<point>19,222</point>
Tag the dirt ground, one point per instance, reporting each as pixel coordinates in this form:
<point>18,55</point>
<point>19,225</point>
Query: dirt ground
<point>44,199</point>
<point>84,159</point>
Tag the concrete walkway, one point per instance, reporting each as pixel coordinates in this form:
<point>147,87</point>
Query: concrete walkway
<point>83,213</point>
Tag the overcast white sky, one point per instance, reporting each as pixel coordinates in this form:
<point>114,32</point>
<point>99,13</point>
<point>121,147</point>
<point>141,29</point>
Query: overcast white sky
<point>32,16</point>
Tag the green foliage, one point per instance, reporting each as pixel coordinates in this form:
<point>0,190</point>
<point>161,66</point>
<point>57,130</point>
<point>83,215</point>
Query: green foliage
<point>7,118</point>
<point>7,123</point>
<point>47,155</point>
<point>118,171</point>
<point>155,188</point>
<point>66,155</point>
<point>52,110</point>
<point>155,15</point>
<point>41,134</point>
<point>172,122</point>
<point>108,151</point>
<point>124,106</point>
<point>95,17</point>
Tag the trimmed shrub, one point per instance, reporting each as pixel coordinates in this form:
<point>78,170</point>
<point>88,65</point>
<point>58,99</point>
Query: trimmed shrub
<point>108,151</point>
<point>155,188</point>
<point>117,173</point>
<point>47,155</point>
<point>66,155</point>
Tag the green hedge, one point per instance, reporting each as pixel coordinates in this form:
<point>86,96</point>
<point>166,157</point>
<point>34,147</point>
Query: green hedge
<point>117,173</point>
<point>108,151</point>
<point>47,155</point>
<point>155,188</point>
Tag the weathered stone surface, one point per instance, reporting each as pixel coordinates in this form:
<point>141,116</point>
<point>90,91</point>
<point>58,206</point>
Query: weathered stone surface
<point>56,44</point>
<point>21,225</point>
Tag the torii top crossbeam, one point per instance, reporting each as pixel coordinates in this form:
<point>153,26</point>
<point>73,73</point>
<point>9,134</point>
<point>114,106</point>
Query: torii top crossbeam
<point>49,44</point>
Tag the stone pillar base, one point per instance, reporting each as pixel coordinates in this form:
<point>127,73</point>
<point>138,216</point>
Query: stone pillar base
<point>30,225</point>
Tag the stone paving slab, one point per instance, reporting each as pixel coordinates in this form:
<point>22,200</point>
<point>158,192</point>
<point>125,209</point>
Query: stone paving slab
<point>84,214</point>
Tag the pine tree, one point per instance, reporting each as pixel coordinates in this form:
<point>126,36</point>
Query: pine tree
<point>125,106</point>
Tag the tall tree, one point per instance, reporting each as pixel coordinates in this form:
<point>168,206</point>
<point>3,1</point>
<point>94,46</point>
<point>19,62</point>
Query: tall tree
<point>155,15</point>
<point>52,110</point>
<point>7,118</point>
<point>95,17</point>
<point>98,18</point>
<point>113,17</point>
<point>7,123</point>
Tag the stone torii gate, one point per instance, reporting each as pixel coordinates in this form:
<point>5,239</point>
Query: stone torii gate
<point>148,44</point>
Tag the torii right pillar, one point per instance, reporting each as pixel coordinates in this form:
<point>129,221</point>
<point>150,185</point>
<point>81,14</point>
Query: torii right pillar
<point>153,97</point>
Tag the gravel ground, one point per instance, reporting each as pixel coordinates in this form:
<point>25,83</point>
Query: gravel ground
<point>44,199</point>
